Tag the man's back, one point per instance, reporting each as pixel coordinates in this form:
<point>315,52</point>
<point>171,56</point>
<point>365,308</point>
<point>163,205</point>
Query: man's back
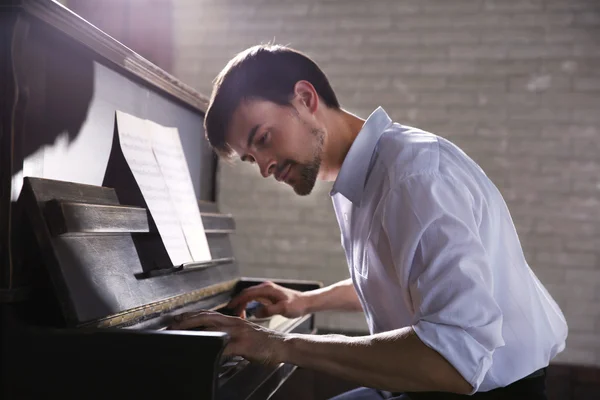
<point>432,244</point>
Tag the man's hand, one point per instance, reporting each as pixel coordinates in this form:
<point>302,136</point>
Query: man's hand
<point>275,299</point>
<point>249,340</point>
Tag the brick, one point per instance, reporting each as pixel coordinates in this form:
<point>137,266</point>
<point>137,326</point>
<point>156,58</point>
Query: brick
<point>591,243</point>
<point>534,147</point>
<point>587,18</point>
<point>589,66</point>
<point>419,83</point>
<point>364,23</point>
<point>574,100</point>
<point>369,68</point>
<point>536,19</point>
<point>282,10</point>
<point>397,52</point>
<point>314,24</point>
<point>571,5</point>
<point>505,67</point>
<point>480,83</point>
<point>579,276</point>
<point>569,260</point>
<point>574,130</point>
<point>489,51</point>
<point>391,38</point>
<point>584,84</point>
<point>511,100</point>
<point>571,35</point>
<point>540,83</point>
<point>437,99</point>
<point>543,242</point>
<point>455,6</point>
<point>523,5</point>
<point>371,9</point>
<point>584,340</point>
<point>510,36</point>
<point>376,83</point>
<point>578,323</point>
<point>541,114</point>
<point>508,164</point>
<point>447,37</point>
<point>586,51</point>
<point>458,21</point>
<point>576,356</point>
<point>447,68</point>
<point>554,225</point>
<point>532,51</point>
<point>550,275</point>
<point>586,115</point>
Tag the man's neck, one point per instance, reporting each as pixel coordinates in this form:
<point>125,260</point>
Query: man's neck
<point>342,128</point>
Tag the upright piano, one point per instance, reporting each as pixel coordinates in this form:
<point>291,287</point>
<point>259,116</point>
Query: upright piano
<point>85,291</point>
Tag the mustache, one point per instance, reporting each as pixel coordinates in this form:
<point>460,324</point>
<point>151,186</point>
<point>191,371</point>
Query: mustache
<point>284,165</point>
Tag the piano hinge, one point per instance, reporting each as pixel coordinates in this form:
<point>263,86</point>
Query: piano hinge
<point>159,307</point>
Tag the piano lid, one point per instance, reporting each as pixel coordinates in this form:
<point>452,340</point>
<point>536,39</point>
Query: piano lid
<point>75,27</point>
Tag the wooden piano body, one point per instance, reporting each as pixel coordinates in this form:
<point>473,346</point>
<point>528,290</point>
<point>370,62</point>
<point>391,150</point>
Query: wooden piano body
<point>85,293</point>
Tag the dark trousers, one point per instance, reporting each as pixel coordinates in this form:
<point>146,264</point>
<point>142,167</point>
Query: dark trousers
<point>530,388</point>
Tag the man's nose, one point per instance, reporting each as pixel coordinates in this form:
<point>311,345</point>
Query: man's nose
<point>267,168</point>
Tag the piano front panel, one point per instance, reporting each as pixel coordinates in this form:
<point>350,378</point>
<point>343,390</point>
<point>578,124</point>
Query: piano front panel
<point>99,275</point>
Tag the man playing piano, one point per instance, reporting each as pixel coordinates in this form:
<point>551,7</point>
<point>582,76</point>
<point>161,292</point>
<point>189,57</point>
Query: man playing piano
<point>452,306</point>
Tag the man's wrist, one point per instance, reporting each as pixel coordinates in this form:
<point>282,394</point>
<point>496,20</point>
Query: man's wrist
<point>285,350</point>
<point>306,300</point>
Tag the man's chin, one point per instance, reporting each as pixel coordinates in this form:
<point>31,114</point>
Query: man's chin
<point>304,189</point>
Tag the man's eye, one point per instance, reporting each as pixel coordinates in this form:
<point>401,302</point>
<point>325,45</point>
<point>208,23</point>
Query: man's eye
<point>263,139</point>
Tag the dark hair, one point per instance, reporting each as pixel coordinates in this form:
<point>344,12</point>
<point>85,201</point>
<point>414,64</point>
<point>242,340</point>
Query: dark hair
<point>267,72</point>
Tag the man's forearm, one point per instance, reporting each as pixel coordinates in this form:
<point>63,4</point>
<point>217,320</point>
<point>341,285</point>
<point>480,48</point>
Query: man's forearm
<point>396,361</point>
<point>340,296</point>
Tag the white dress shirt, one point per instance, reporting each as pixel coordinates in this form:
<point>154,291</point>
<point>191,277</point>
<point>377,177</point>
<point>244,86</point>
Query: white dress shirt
<point>430,243</point>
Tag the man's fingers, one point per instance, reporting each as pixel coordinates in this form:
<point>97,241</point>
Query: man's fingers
<point>263,293</point>
<point>269,310</point>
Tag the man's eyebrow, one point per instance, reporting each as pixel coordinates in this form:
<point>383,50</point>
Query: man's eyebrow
<point>252,134</point>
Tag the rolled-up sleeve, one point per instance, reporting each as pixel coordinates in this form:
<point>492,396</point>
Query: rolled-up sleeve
<point>432,224</point>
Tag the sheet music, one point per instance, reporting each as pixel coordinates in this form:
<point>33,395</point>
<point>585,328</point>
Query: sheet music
<point>171,160</point>
<point>136,144</point>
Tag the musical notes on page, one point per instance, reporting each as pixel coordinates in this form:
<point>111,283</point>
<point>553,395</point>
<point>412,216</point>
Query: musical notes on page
<point>171,161</point>
<point>135,138</point>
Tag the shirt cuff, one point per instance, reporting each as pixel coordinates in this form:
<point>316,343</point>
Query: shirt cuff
<point>468,356</point>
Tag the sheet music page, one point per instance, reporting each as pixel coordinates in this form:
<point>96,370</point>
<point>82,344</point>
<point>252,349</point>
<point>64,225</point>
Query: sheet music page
<point>171,160</point>
<point>136,144</point>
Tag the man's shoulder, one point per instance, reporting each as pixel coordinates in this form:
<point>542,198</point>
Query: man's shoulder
<point>406,150</point>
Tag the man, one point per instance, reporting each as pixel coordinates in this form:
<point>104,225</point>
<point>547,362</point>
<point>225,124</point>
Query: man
<point>435,262</point>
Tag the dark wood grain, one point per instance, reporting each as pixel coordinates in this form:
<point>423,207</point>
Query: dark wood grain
<point>77,218</point>
<point>98,276</point>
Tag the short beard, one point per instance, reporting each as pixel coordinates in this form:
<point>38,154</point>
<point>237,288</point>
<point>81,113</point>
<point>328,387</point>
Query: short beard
<point>310,171</point>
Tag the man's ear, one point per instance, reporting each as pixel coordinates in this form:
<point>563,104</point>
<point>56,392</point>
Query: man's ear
<point>307,95</point>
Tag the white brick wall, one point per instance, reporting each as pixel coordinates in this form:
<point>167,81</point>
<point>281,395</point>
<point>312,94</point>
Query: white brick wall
<point>516,83</point>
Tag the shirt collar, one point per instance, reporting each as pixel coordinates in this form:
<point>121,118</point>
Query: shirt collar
<point>352,177</point>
